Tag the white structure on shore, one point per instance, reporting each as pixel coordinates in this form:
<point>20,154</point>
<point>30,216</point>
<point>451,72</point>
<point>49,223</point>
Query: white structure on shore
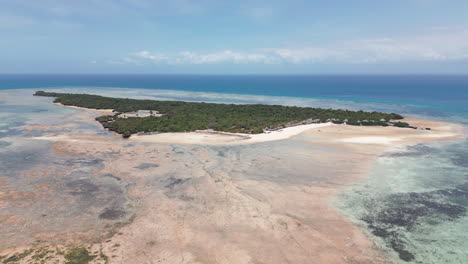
<point>140,113</point>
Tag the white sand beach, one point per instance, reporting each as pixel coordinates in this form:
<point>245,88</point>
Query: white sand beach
<point>223,138</point>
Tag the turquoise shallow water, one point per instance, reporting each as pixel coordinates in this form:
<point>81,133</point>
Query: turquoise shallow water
<point>414,204</point>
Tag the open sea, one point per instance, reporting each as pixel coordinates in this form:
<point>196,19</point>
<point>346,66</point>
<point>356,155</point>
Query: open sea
<point>413,204</point>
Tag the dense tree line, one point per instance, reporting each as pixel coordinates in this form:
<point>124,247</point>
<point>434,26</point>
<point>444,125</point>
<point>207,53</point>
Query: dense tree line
<point>181,116</point>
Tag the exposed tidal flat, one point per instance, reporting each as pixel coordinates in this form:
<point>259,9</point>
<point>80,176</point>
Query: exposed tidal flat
<point>315,196</point>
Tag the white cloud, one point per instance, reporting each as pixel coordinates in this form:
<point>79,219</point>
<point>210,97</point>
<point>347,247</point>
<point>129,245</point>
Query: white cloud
<point>304,55</point>
<point>436,45</point>
<point>188,57</point>
<point>150,56</point>
<point>226,56</point>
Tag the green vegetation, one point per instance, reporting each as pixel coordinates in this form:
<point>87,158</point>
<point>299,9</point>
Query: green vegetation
<point>178,116</point>
<point>401,124</point>
<point>78,256</point>
<point>18,257</point>
<point>103,257</point>
<point>42,254</point>
<point>46,254</point>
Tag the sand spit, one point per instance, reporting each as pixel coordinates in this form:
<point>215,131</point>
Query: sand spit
<point>222,138</point>
<point>388,136</point>
<point>97,111</point>
<point>198,197</point>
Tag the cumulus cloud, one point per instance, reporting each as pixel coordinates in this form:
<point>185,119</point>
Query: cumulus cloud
<point>439,45</point>
<point>188,57</point>
<point>150,56</point>
<point>226,56</point>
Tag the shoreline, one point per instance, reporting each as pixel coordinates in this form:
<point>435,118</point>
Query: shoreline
<point>442,131</point>
<point>216,138</point>
<point>104,111</point>
<point>211,202</point>
<point>445,133</point>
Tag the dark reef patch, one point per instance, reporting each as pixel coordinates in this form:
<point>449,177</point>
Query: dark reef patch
<point>176,150</point>
<point>112,213</point>
<point>111,176</point>
<point>82,187</point>
<point>92,198</point>
<point>412,151</point>
<point>460,159</point>
<point>144,166</point>
<point>172,182</point>
<point>12,163</point>
<point>390,216</point>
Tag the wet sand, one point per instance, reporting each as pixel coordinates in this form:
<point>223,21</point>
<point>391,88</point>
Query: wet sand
<point>217,200</point>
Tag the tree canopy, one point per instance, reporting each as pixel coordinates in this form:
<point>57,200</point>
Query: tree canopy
<point>179,116</point>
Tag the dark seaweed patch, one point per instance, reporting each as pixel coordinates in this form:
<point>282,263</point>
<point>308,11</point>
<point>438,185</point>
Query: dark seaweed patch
<point>412,151</point>
<point>144,166</point>
<point>174,181</point>
<point>405,211</point>
<point>460,159</point>
<point>111,176</point>
<point>112,213</point>
<point>82,187</point>
<point>13,162</point>
<point>91,193</point>
<point>40,110</point>
<point>176,150</point>
<point>83,162</point>
<point>184,197</point>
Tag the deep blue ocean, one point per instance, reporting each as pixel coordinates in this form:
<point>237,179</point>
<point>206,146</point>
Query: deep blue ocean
<point>445,92</point>
<point>414,204</point>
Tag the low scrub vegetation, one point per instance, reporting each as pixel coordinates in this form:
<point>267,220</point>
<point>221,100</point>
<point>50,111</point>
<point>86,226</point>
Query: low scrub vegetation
<point>178,116</point>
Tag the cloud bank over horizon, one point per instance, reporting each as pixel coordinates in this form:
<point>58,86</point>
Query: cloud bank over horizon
<point>257,36</point>
<point>438,45</point>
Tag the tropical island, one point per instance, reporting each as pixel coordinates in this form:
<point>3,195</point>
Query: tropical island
<point>132,116</point>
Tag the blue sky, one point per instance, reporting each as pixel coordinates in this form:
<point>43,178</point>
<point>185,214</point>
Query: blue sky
<point>234,37</point>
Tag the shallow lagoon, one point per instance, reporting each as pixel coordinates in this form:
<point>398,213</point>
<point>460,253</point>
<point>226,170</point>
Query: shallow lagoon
<point>416,203</point>
<point>425,186</point>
